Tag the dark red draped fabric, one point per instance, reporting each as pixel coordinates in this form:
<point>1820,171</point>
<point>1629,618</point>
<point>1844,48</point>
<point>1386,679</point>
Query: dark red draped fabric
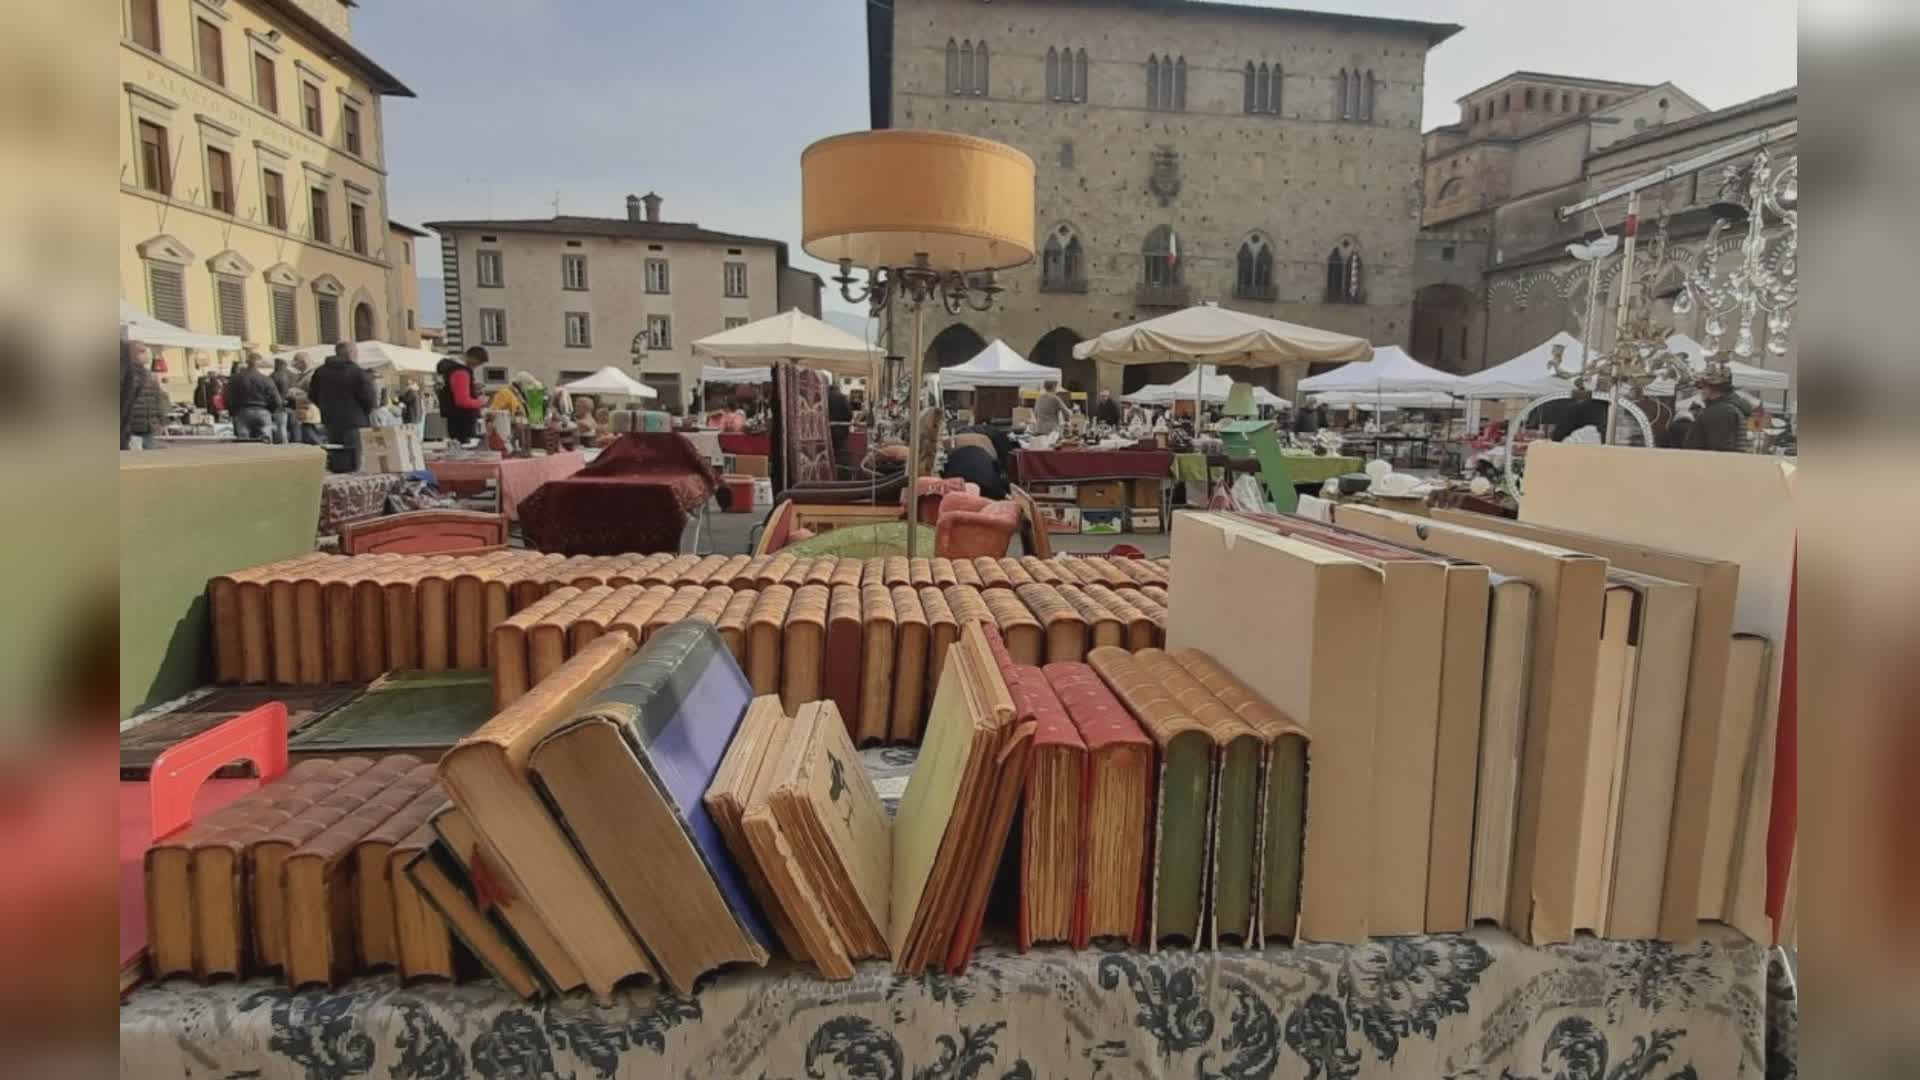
<point>634,498</point>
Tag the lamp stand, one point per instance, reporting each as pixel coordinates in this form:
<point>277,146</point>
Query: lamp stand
<point>913,432</point>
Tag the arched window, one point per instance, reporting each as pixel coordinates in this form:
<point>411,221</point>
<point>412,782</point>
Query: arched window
<point>966,67</point>
<point>1062,262</point>
<point>1346,275</point>
<point>1247,88</point>
<point>1341,109</point>
<point>1080,76</point>
<point>980,69</point>
<point>1153,82</point>
<point>1161,258</point>
<point>1450,189</point>
<point>1180,85</point>
<point>1053,74</point>
<point>953,66</point>
<point>1336,276</point>
<point>1530,101</point>
<point>1253,269</point>
<point>1366,113</point>
<point>1566,101</point>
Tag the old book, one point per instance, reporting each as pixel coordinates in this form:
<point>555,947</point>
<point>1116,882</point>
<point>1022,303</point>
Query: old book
<point>376,915</point>
<point>1043,570</point>
<point>319,887</point>
<point>472,855</point>
<point>594,621</point>
<point>848,571</point>
<point>1320,667</point>
<point>1503,723</point>
<point>703,571</point>
<point>1611,672</point>
<point>966,573</point>
<point>440,879</point>
<point>512,663</point>
<point>895,570</point>
<point>983,862</point>
<point>1158,594</point>
<point>920,572</point>
<point>763,729</point>
<point>1646,753</point>
<point>369,623</point>
<point>679,607</point>
<point>434,597</point>
<point>776,569</point>
<point>992,575</point>
<point>712,605</point>
<point>1053,849</point>
<point>1065,629</point>
<point>822,571</point>
<point>765,627</point>
<point>1142,630</point>
<point>487,778</point>
<point>967,605</point>
<point>672,572</point>
<point>1118,813</point>
<point>733,623</point>
<point>1103,626</point>
<point>803,648</point>
<point>1021,630</point>
<point>401,604</point>
<point>878,630</point>
<point>775,855</point>
<point>625,775</point>
<point>833,827</point>
<point>230,626</point>
<point>943,813</point>
<point>422,940</point>
<point>942,571</point>
<point>1144,572</point>
<point>1703,775</point>
<point>634,620</point>
<point>469,609</point>
<point>909,665</point>
<point>751,571</point>
<point>1741,727</point>
<point>547,637</point>
<point>1281,804</point>
<point>1016,572</point>
<point>1569,589</point>
<point>942,631</point>
<point>842,671</point>
<point>798,573</point>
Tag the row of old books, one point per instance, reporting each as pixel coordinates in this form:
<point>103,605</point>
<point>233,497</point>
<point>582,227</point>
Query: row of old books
<point>321,618</point>
<point>1511,724</point>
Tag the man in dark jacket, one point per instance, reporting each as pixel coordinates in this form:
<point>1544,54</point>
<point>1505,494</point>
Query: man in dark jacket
<point>283,382</point>
<point>343,391</point>
<point>459,394</point>
<point>1722,423</point>
<point>252,398</point>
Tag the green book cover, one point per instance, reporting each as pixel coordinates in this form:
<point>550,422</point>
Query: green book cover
<point>1181,855</point>
<point>1236,822</point>
<point>1283,833</point>
<point>426,711</point>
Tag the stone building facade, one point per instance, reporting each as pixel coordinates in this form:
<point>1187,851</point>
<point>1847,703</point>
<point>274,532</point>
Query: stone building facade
<point>565,296</point>
<point>1493,277</point>
<point>253,180</point>
<point>1262,158</point>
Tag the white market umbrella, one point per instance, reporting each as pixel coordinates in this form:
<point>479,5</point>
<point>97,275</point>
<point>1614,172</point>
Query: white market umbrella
<point>1391,371</point>
<point>742,376</point>
<point>374,356</point>
<point>1212,334</point>
<point>610,381</point>
<point>137,325</point>
<point>1527,375</point>
<point>997,365</point>
<point>791,335</point>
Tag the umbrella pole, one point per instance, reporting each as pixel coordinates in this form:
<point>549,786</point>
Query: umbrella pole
<point>913,440</point>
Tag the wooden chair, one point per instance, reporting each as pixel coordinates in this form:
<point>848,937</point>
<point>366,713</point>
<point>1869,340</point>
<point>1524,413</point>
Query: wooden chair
<point>425,532</point>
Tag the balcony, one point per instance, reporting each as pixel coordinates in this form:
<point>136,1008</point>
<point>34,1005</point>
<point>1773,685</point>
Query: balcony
<point>1248,291</point>
<point>1162,296</point>
<point>1063,285</point>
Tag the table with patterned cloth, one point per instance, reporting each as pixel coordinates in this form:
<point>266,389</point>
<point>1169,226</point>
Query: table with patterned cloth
<point>348,497</point>
<point>1457,1006</point>
<point>1070,466</point>
<point>635,497</point>
<point>516,478</point>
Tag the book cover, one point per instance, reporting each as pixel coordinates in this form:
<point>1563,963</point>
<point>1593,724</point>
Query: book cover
<point>1117,834</point>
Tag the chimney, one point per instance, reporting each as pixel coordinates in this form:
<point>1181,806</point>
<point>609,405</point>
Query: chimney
<point>653,206</point>
<point>633,208</point>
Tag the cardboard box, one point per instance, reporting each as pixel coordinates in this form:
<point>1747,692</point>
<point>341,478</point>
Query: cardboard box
<point>391,450</point>
<point>1145,521</point>
<point>1102,495</point>
<point>1102,522</point>
<point>1068,492</point>
<point>751,464</point>
<point>1146,494</point>
<point>1059,517</point>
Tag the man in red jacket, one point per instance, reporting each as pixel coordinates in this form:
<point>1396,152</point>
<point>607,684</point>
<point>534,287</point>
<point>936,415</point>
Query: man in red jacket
<point>459,393</point>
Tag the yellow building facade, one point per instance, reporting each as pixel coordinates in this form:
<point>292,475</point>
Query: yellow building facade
<point>253,182</point>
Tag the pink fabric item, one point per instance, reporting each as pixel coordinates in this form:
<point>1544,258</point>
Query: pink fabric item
<point>971,533</point>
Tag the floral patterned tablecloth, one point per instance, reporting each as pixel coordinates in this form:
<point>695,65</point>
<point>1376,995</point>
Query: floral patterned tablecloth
<point>1477,1006</point>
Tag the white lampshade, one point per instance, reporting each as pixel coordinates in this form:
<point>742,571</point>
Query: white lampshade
<point>880,198</point>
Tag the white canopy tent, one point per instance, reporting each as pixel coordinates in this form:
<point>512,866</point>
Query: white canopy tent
<point>1405,399</point>
<point>997,365</point>
<point>742,376</point>
<point>1391,371</point>
<point>137,325</point>
<point>791,335</point>
<point>1203,382</point>
<point>1526,375</point>
<point>1745,376</point>
<point>1264,396</point>
<point>610,381</point>
<point>374,356</point>
<point>1212,334</point>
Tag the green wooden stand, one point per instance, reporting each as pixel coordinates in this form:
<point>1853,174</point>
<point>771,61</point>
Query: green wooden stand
<point>1255,439</point>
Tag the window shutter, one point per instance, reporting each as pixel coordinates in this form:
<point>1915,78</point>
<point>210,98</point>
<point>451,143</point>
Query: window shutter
<point>286,317</point>
<point>232,297</point>
<point>329,309</point>
<point>168,284</point>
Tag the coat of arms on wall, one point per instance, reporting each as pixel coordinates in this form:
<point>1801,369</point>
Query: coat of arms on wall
<point>1165,181</point>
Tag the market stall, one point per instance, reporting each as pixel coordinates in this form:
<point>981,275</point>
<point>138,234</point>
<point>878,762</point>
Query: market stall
<point>611,382</point>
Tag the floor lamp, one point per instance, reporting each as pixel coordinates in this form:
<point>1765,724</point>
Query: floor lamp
<point>930,216</point>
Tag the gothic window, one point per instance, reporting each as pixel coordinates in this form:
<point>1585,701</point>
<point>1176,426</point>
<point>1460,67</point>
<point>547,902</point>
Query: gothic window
<point>1062,262</point>
<point>1066,75</point>
<point>1342,110</point>
<point>1366,102</point>
<point>1180,84</point>
<point>1506,102</point>
<point>1153,82</point>
<point>1080,75</point>
<point>1167,83</point>
<point>980,68</point>
<point>953,66</point>
<point>1253,269</point>
<point>1262,90</point>
<point>1346,274</point>
<point>1161,258</point>
<point>1449,189</point>
<point>1585,103</point>
<point>1053,74</point>
<point>966,67</point>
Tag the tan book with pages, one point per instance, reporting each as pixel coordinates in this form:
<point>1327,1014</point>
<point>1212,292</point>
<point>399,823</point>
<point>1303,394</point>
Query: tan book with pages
<point>942,631</point>
<point>763,730</point>
<point>1065,629</point>
<point>777,567</point>
<point>848,572</point>
<point>1743,744</point>
<point>633,621</point>
<point>1104,628</point>
<point>512,663</point>
<point>733,623</point>
<point>992,574</point>
<point>466,850</point>
<point>1044,571</point>
<point>895,570</point>
<point>822,571</point>
<point>909,665</point>
<point>750,572</point>
<point>486,776</point>
<point>547,638</point>
<point>1142,631</point>
<point>1019,627</point>
<point>942,572</point>
<point>803,647</point>
<point>680,606</point>
<point>1015,571</point>
<point>968,605</point>
<point>842,674</point>
<point>449,892</point>
<point>1503,724</point>
<point>966,573</point>
<point>376,922</point>
<point>879,629</point>
<point>798,573</point>
<point>422,940</point>
<point>712,605</point>
<point>595,620</point>
<point>920,572</point>
<point>765,628</point>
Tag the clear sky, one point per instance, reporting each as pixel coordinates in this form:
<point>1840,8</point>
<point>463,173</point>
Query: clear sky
<point>709,102</point>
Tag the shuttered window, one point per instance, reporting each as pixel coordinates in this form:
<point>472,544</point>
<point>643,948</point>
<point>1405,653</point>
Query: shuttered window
<point>357,227</point>
<point>220,180</point>
<point>212,60</point>
<point>286,316</point>
<point>168,285</point>
<point>156,173</point>
<point>231,305</point>
<point>273,188</point>
<point>310,107</point>
<point>145,20</point>
<point>329,312</point>
<point>266,83</point>
<point>350,128</point>
<point>317,212</point>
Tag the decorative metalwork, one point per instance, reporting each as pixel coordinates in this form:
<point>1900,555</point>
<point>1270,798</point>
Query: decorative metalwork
<point>1766,280</point>
<point>919,283</point>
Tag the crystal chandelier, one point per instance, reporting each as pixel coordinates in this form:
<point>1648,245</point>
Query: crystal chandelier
<point>1766,280</point>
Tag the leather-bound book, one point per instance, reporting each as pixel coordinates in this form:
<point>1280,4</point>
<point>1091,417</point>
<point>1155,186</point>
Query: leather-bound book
<point>470,609</point>
<point>224,615</point>
<point>750,572</point>
<point>803,647</point>
<point>1146,571</point>
<point>730,568</point>
<point>422,941</point>
<point>879,624</point>
<point>1016,573</point>
<point>267,853</point>
<point>310,620</point>
<point>625,775</point>
<point>798,573</point>
<point>992,575</point>
<point>512,664</point>
<point>775,569</point>
<point>909,665</point>
<point>1066,627</point>
<point>1156,593</point>
<point>943,572</point>
<point>1026,638</point>
<point>1053,853</point>
<point>1139,628</point>
<point>547,638</point>
<point>842,672</point>
<point>762,731</point>
<point>942,631</point>
<point>776,856</point>
<point>733,623</point>
<point>1079,570</point>
<point>370,621</point>
<point>400,601</point>
<point>920,572</point>
<point>594,621</point>
<point>670,572</point>
<point>445,886</point>
<point>873,571</point>
<point>821,571</point>
<point>848,572</point>
<point>685,599</point>
<point>1103,626</point>
<point>337,613</point>
<point>642,568</point>
<point>1117,841</point>
<point>467,853</point>
<point>765,628</point>
<point>633,621</point>
<point>283,627</point>
<point>702,572</point>
<point>712,605</point>
<point>536,865</point>
<point>967,605</point>
<point>376,920</point>
<point>1043,570</point>
<point>320,889</point>
<point>966,573</point>
<point>895,570</point>
<point>434,595</point>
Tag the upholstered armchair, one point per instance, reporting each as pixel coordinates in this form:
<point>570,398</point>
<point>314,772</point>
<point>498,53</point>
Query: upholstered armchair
<point>971,526</point>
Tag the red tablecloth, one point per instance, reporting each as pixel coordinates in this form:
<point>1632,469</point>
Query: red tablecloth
<point>1068,466</point>
<point>517,477</point>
